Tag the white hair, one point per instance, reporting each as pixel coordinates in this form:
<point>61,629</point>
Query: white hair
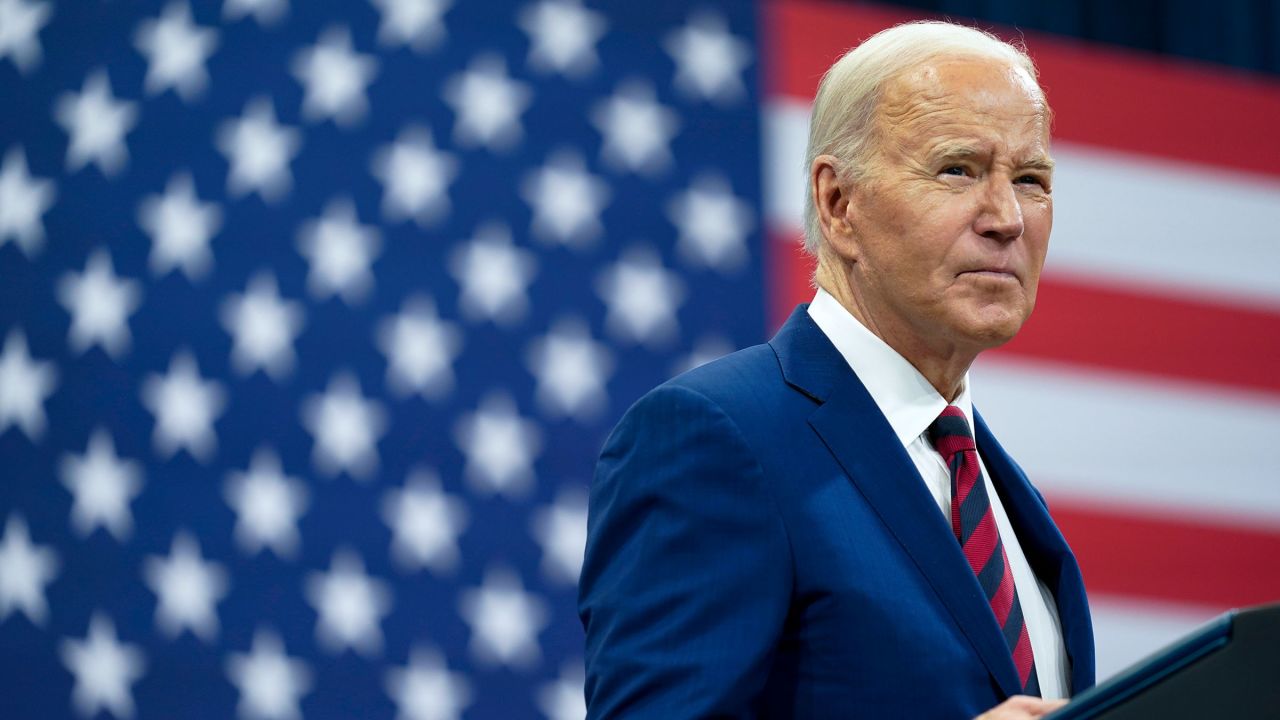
<point>842,124</point>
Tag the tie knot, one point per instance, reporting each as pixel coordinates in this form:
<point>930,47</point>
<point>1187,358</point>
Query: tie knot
<point>950,433</point>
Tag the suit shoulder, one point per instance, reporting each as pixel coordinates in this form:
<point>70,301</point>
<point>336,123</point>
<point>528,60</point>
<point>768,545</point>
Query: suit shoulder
<point>721,380</point>
<point>746,387</point>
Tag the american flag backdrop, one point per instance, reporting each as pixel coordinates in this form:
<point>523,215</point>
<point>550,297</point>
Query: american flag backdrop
<point>314,315</point>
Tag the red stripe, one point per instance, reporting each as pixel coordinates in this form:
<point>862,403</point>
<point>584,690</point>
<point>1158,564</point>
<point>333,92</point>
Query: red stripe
<point>1170,558</point>
<point>1002,601</point>
<point>1151,332</point>
<point>1022,657</point>
<point>1102,96</point>
<point>789,268</point>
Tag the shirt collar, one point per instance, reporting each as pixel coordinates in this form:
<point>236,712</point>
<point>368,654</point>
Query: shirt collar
<point>906,398</point>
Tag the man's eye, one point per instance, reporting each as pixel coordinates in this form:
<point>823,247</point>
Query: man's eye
<point>955,170</point>
<point>1029,180</point>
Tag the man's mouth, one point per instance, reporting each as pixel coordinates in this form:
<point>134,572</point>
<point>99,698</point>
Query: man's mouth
<point>992,273</point>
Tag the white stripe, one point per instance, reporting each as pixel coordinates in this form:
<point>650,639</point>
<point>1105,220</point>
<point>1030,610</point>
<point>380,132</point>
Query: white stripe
<point>1126,631</point>
<point>786,134</point>
<point>1126,439</point>
<point>1128,218</point>
<point>1137,219</point>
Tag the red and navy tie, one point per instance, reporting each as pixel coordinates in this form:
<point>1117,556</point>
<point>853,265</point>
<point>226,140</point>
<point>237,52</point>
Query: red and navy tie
<point>975,527</point>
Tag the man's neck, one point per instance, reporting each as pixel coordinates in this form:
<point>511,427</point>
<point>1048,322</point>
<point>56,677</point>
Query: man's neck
<point>944,368</point>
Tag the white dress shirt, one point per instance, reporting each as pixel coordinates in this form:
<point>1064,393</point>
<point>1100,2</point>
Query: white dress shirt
<point>911,405</point>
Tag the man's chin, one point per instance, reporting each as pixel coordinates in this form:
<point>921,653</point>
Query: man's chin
<point>992,329</point>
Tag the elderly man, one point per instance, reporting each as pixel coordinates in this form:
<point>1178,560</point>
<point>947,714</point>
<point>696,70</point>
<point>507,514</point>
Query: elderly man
<point>809,528</point>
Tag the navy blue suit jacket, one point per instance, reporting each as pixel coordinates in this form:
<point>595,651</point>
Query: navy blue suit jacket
<point>760,544</point>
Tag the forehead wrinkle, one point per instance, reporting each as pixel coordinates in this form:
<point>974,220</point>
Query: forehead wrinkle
<point>941,130</point>
<point>901,103</point>
<point>918,93</point>
<point>922,106</point>
<point>1029,157</point>
<point>942,114</point>
<point>922,124</point>
<point>1031,154</point>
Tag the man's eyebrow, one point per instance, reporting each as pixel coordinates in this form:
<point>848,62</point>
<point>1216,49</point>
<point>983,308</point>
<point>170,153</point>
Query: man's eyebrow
<point>954,151</point>
<point>966,151</point>
<point>1041,162</point>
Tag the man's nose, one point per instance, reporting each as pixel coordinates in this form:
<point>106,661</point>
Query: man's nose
<point>1000,216</point>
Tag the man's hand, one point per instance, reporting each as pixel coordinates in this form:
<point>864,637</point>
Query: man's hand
<point>1021,707</point>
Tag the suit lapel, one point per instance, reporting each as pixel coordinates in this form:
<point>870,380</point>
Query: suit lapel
<point>1047,552</point>
<point>857,434</point>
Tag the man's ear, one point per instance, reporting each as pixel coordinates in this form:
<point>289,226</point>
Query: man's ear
<point>831,200</point>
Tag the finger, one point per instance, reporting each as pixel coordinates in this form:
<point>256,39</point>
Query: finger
<point>1022,702</point>
<point>1030,701</point>
<point>1041,708</point>
<point>1021,707</point>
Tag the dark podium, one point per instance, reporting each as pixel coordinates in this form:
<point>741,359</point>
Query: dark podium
<point>1230,668</point>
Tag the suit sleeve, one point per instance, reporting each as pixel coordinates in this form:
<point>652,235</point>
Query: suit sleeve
<point>687,577</point>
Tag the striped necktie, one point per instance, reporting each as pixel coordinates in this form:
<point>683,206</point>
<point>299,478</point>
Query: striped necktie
<point>974,525</point>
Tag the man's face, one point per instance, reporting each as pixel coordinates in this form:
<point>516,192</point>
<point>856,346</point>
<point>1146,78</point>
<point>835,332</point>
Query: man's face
<point>950,229</point>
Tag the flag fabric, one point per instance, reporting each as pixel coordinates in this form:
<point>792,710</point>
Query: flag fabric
<point>313,318</point>
<point>1142,396</point>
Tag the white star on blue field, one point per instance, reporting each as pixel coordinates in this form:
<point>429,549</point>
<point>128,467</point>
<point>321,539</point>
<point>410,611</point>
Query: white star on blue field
<point>314,317</point>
